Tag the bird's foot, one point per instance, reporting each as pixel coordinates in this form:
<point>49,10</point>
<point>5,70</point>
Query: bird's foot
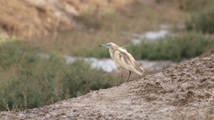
<point>129,81</point>
<point>118,84</point>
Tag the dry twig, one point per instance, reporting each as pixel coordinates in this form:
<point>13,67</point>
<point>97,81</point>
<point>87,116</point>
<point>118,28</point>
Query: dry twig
<point>211,93</point>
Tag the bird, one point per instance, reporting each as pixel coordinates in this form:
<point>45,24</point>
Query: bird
<point>123,59</point>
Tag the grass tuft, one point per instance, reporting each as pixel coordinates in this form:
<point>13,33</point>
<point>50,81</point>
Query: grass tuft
<point>202,22</point>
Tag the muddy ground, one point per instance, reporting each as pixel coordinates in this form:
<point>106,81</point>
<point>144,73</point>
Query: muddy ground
<point>176,93</point>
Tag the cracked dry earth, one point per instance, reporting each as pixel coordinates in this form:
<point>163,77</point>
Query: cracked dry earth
<point>175,93</point>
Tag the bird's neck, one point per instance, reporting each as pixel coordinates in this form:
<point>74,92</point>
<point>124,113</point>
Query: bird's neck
<point>111,51</point>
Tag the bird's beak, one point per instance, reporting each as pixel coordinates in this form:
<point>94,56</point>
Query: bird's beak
<point>103,45</point>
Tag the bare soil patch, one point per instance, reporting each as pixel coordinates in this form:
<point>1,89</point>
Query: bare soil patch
<point>175,93</point>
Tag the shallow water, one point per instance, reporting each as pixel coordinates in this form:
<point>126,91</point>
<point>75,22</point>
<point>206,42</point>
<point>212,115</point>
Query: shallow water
<point>150,35</point>
<point>109,65</point>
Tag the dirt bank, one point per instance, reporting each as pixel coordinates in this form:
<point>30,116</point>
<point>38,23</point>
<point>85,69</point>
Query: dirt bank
<point>30,17</point>
<point>175,93</point>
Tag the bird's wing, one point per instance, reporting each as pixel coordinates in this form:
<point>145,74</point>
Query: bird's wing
<point>138,67</point>
<point>126,61</point>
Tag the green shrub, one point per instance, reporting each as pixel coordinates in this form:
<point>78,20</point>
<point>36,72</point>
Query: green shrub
<point>203,22</point>
<point>173,48</point>
<point>28,80</point>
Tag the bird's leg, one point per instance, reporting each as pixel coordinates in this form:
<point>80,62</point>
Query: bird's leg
<point>121,76</point>
<point>140,77</point>
<point>129,76</point>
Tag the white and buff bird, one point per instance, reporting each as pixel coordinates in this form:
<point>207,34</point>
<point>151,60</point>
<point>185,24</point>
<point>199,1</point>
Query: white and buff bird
<point>123,59</point>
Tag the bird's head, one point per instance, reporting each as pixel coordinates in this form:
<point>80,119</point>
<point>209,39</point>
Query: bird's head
<point>109,45</point>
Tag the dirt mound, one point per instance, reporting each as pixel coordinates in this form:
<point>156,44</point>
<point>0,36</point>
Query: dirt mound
<point>179,85</point>
<point>175,93</point>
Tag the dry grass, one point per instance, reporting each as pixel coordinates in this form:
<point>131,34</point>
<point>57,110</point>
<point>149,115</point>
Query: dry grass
<point>5,105</point>
<point>32,18</point>
<point>21,23</point>
<point>23,18</point>
<point>211,93</point>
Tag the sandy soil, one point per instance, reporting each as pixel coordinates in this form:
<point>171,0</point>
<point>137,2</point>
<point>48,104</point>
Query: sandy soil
<point>175,93</point>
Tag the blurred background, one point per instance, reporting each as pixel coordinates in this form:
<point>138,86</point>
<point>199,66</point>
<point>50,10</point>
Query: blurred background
<point>49,48</point>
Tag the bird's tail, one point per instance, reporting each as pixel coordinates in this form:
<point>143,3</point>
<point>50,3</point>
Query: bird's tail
<point>139,69</point>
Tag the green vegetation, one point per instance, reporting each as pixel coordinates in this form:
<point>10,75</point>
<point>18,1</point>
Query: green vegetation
<point>28,80</point>
<point>202,22</point>
<point>97,52</point>
<point>173,48</point>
